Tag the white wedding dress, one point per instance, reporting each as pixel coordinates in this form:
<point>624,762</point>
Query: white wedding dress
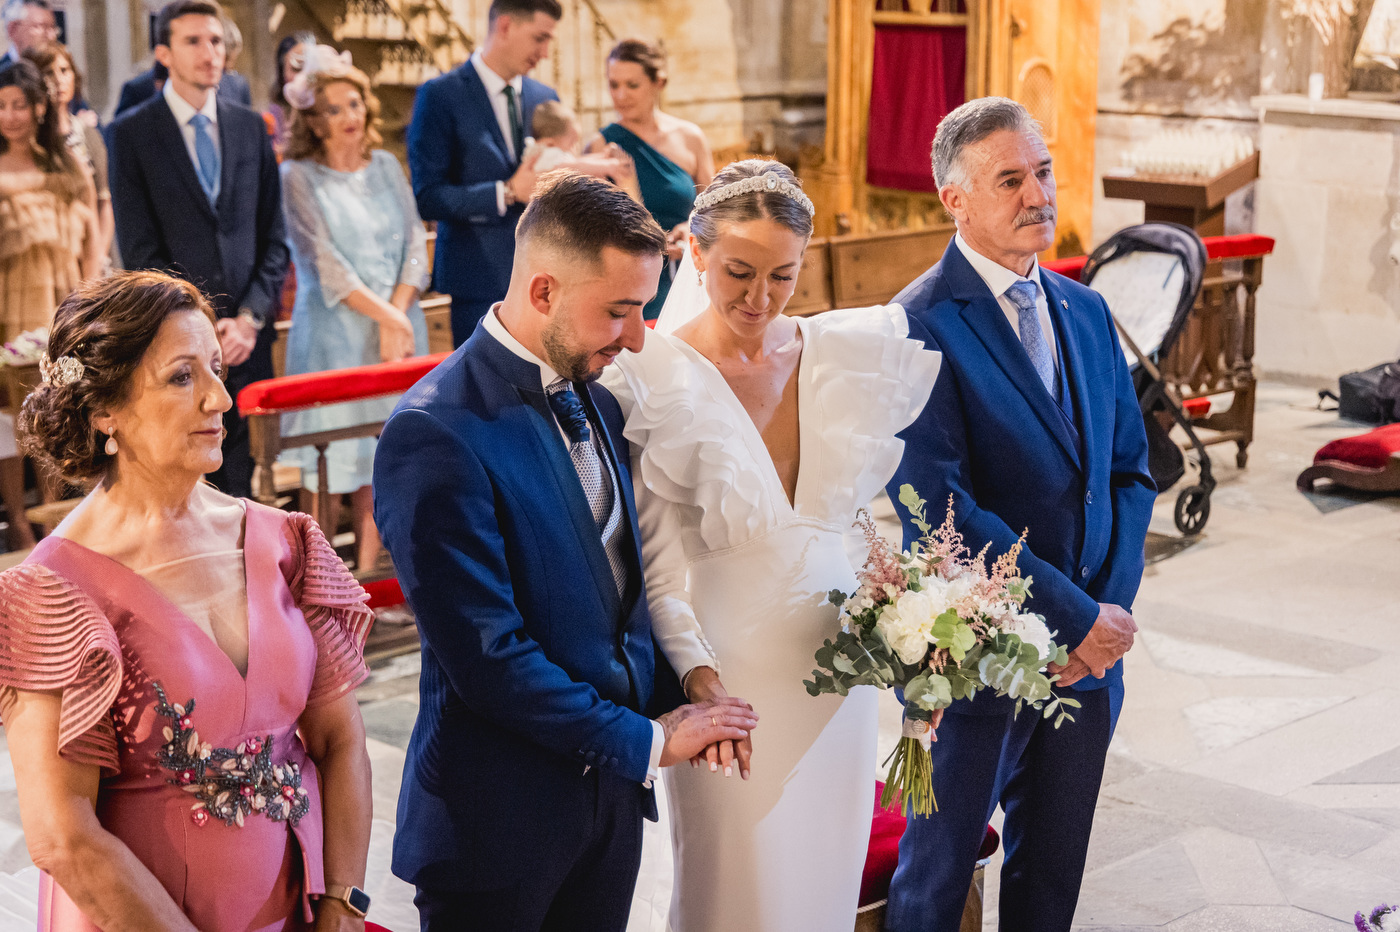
<point>737,578</point>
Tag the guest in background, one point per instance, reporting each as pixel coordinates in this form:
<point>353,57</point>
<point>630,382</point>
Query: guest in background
<point>291,57</point>
<point>233,87</point>
<point>48,239</point>
<point>65,85</point>
<point>238,90</point>
<point>672,155</point>
<point>196,192</point>
<point>179,666</point>
<point>361,256</point>
<point>27,23</point>
<point>465,147</point>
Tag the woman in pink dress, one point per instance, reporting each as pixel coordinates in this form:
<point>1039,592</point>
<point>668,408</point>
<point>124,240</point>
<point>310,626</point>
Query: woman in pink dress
<point>176,666</point>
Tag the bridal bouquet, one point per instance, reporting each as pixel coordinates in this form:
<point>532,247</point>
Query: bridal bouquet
<point>937,623</point>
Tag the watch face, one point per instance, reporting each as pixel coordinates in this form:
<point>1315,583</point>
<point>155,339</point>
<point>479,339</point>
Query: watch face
<point>358,899</point>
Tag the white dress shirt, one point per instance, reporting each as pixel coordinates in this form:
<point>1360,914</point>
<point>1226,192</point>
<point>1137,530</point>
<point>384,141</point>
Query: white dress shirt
<point>998,279</point>
<point>496,93</point>
<point>184,113</point>
<point>548,376</point>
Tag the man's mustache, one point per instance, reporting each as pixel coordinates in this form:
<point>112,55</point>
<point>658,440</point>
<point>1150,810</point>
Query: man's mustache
<point>1035,215</point>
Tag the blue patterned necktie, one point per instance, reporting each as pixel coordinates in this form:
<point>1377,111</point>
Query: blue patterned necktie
<point>1022,294</point>
<point>207,153</point>
<point>594,474</point>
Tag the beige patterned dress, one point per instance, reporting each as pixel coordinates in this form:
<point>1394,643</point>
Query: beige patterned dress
<point>42,228</point>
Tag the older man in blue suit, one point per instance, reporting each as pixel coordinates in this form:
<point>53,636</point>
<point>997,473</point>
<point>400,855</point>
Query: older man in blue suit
<point>1032,425</point>
<point>503,490</point>
<point>466,143</point>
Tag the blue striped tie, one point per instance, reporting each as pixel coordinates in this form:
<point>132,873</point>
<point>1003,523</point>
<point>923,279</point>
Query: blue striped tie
<point>207,153</point>
<point>1022,294</point>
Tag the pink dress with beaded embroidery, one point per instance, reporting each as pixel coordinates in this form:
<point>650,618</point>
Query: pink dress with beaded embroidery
<point>203,796</point>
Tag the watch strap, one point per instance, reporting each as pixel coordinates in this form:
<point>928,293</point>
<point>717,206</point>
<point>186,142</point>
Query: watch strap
<point>355,899</point>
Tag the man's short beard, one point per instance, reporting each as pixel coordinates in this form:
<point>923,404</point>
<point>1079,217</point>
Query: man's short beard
<point>563,356</point>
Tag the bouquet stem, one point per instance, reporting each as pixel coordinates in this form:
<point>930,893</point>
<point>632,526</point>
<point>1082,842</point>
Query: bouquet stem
<point>911,767</point>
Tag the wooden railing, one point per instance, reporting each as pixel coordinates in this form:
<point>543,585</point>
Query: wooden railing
<point>263,404</point>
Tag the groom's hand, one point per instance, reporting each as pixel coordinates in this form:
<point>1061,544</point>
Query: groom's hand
<point>1108,640</point>
<point>692,728</point>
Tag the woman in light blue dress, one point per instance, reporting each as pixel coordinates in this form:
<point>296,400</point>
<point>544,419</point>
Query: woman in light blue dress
<point>361,259</point>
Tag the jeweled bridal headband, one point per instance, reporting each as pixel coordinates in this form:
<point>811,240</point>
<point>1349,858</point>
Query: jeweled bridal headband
<point>62,372</point>
<point>754,184</point>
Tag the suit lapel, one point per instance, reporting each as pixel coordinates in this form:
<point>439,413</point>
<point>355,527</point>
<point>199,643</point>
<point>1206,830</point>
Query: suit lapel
<point>523,377</point>
<point>227,159</point>
<point>985,318</point>
<point>478,98</point>
<point>170,140</point>
<point>1072,359</point>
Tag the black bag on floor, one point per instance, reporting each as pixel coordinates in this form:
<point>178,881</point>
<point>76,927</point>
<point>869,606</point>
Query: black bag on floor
<point>1371,395</point>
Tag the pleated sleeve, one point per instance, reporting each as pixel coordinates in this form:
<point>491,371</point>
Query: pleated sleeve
<point>54,638</point>
<point>335,609</point>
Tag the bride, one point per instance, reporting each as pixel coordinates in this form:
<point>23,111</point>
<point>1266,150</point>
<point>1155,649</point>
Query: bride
<point>755,438</point>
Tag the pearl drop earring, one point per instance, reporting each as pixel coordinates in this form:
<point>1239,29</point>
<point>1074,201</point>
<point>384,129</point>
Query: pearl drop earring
<point>111,446</point>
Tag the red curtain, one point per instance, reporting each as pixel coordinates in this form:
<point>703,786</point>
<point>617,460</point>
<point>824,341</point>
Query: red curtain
<point>919,76</point>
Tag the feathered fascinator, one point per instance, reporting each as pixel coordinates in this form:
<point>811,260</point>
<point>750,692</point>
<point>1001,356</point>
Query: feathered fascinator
<point>320,59</point>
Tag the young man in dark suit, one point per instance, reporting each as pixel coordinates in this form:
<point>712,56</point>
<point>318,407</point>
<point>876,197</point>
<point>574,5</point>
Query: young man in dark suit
<point>196,193</point>
<point>465,144</point>
<point>1032,424</point>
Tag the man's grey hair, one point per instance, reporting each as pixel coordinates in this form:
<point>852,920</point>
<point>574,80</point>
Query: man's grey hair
<point>968,125</point>
<point>14,9</point>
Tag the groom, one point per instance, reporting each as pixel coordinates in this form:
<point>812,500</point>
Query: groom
<point>1032,424</point>
<point>503,492</point>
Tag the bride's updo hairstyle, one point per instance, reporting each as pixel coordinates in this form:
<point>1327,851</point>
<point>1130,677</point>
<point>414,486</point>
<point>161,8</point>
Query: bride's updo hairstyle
<point>99,336</point>
<point>752,205</point>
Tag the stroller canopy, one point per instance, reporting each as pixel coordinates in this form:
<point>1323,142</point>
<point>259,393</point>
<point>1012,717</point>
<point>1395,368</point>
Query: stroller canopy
<point>1149,275</point>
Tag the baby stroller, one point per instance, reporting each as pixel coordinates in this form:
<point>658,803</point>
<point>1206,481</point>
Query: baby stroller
<point>1150,276</point>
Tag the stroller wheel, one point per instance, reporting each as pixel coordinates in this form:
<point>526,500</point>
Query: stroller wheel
<point>1192,509</point>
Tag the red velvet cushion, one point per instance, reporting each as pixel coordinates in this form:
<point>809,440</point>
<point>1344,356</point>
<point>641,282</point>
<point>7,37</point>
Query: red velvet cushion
<point>1371,450</point>
<point>882,856</point>
<point>1217,248</point>
<point>291,392</point>
<point>384,592</point>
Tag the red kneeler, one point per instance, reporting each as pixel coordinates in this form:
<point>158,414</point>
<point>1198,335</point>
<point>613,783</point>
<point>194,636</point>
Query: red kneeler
<point>886,827</point>
<point>1369,462</point>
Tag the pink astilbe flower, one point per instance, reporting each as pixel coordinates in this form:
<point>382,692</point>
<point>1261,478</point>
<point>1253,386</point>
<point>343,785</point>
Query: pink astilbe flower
<point>1005,569</point>
<point>882,566</point>
<point>943,549</point>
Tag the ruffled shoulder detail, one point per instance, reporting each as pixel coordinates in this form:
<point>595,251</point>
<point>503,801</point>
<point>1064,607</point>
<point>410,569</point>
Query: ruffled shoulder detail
<point>54,637</point>
<point>687,447</point>
<point>866,381</point>
<point>335,607</point>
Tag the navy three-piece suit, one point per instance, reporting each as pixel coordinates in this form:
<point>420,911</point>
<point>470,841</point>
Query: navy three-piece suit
<point>457,154</point>
<point>1071,469</point>
<point>524,787</point>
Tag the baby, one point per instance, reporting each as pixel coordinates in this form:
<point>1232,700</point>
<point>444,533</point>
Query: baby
<point>558,143</point>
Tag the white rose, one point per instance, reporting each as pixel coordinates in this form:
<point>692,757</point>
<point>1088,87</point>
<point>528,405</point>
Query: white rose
<point>907,625</point>
<point>1030,628</point>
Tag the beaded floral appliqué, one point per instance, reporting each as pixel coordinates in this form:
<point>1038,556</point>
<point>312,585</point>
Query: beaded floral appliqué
<point>228,783</point>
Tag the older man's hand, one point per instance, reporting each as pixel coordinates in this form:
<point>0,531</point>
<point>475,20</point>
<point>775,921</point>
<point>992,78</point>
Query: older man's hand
<point>1108,640</point>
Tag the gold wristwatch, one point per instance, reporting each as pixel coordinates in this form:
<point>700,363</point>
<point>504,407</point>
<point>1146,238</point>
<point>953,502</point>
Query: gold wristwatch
<point>355,899</point>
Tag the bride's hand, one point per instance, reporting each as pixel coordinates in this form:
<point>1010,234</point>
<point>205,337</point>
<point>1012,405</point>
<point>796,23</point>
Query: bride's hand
<point>704,683</point>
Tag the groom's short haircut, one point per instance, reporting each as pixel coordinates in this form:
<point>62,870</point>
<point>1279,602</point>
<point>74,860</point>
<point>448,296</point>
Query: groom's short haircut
<point>968,125</point>
<point>577,215</point>
<point>523,9</point>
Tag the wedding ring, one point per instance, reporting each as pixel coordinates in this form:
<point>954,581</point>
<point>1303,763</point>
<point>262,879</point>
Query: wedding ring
<point>713,723</point>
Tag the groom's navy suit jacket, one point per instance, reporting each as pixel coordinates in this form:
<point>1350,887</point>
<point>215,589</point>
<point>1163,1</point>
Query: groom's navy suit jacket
<point>993,438</point>
<point>534,669</point>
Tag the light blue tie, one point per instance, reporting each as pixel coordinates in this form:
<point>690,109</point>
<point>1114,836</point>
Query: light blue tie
<point>1022,294</point>
<point>208,155</point>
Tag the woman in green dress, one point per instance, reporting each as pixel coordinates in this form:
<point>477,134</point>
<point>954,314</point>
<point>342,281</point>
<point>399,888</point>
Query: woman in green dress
<point>672,155</point>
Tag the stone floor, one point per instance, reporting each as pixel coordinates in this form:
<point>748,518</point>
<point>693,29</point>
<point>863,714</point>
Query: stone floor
<point>1254,782</point>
